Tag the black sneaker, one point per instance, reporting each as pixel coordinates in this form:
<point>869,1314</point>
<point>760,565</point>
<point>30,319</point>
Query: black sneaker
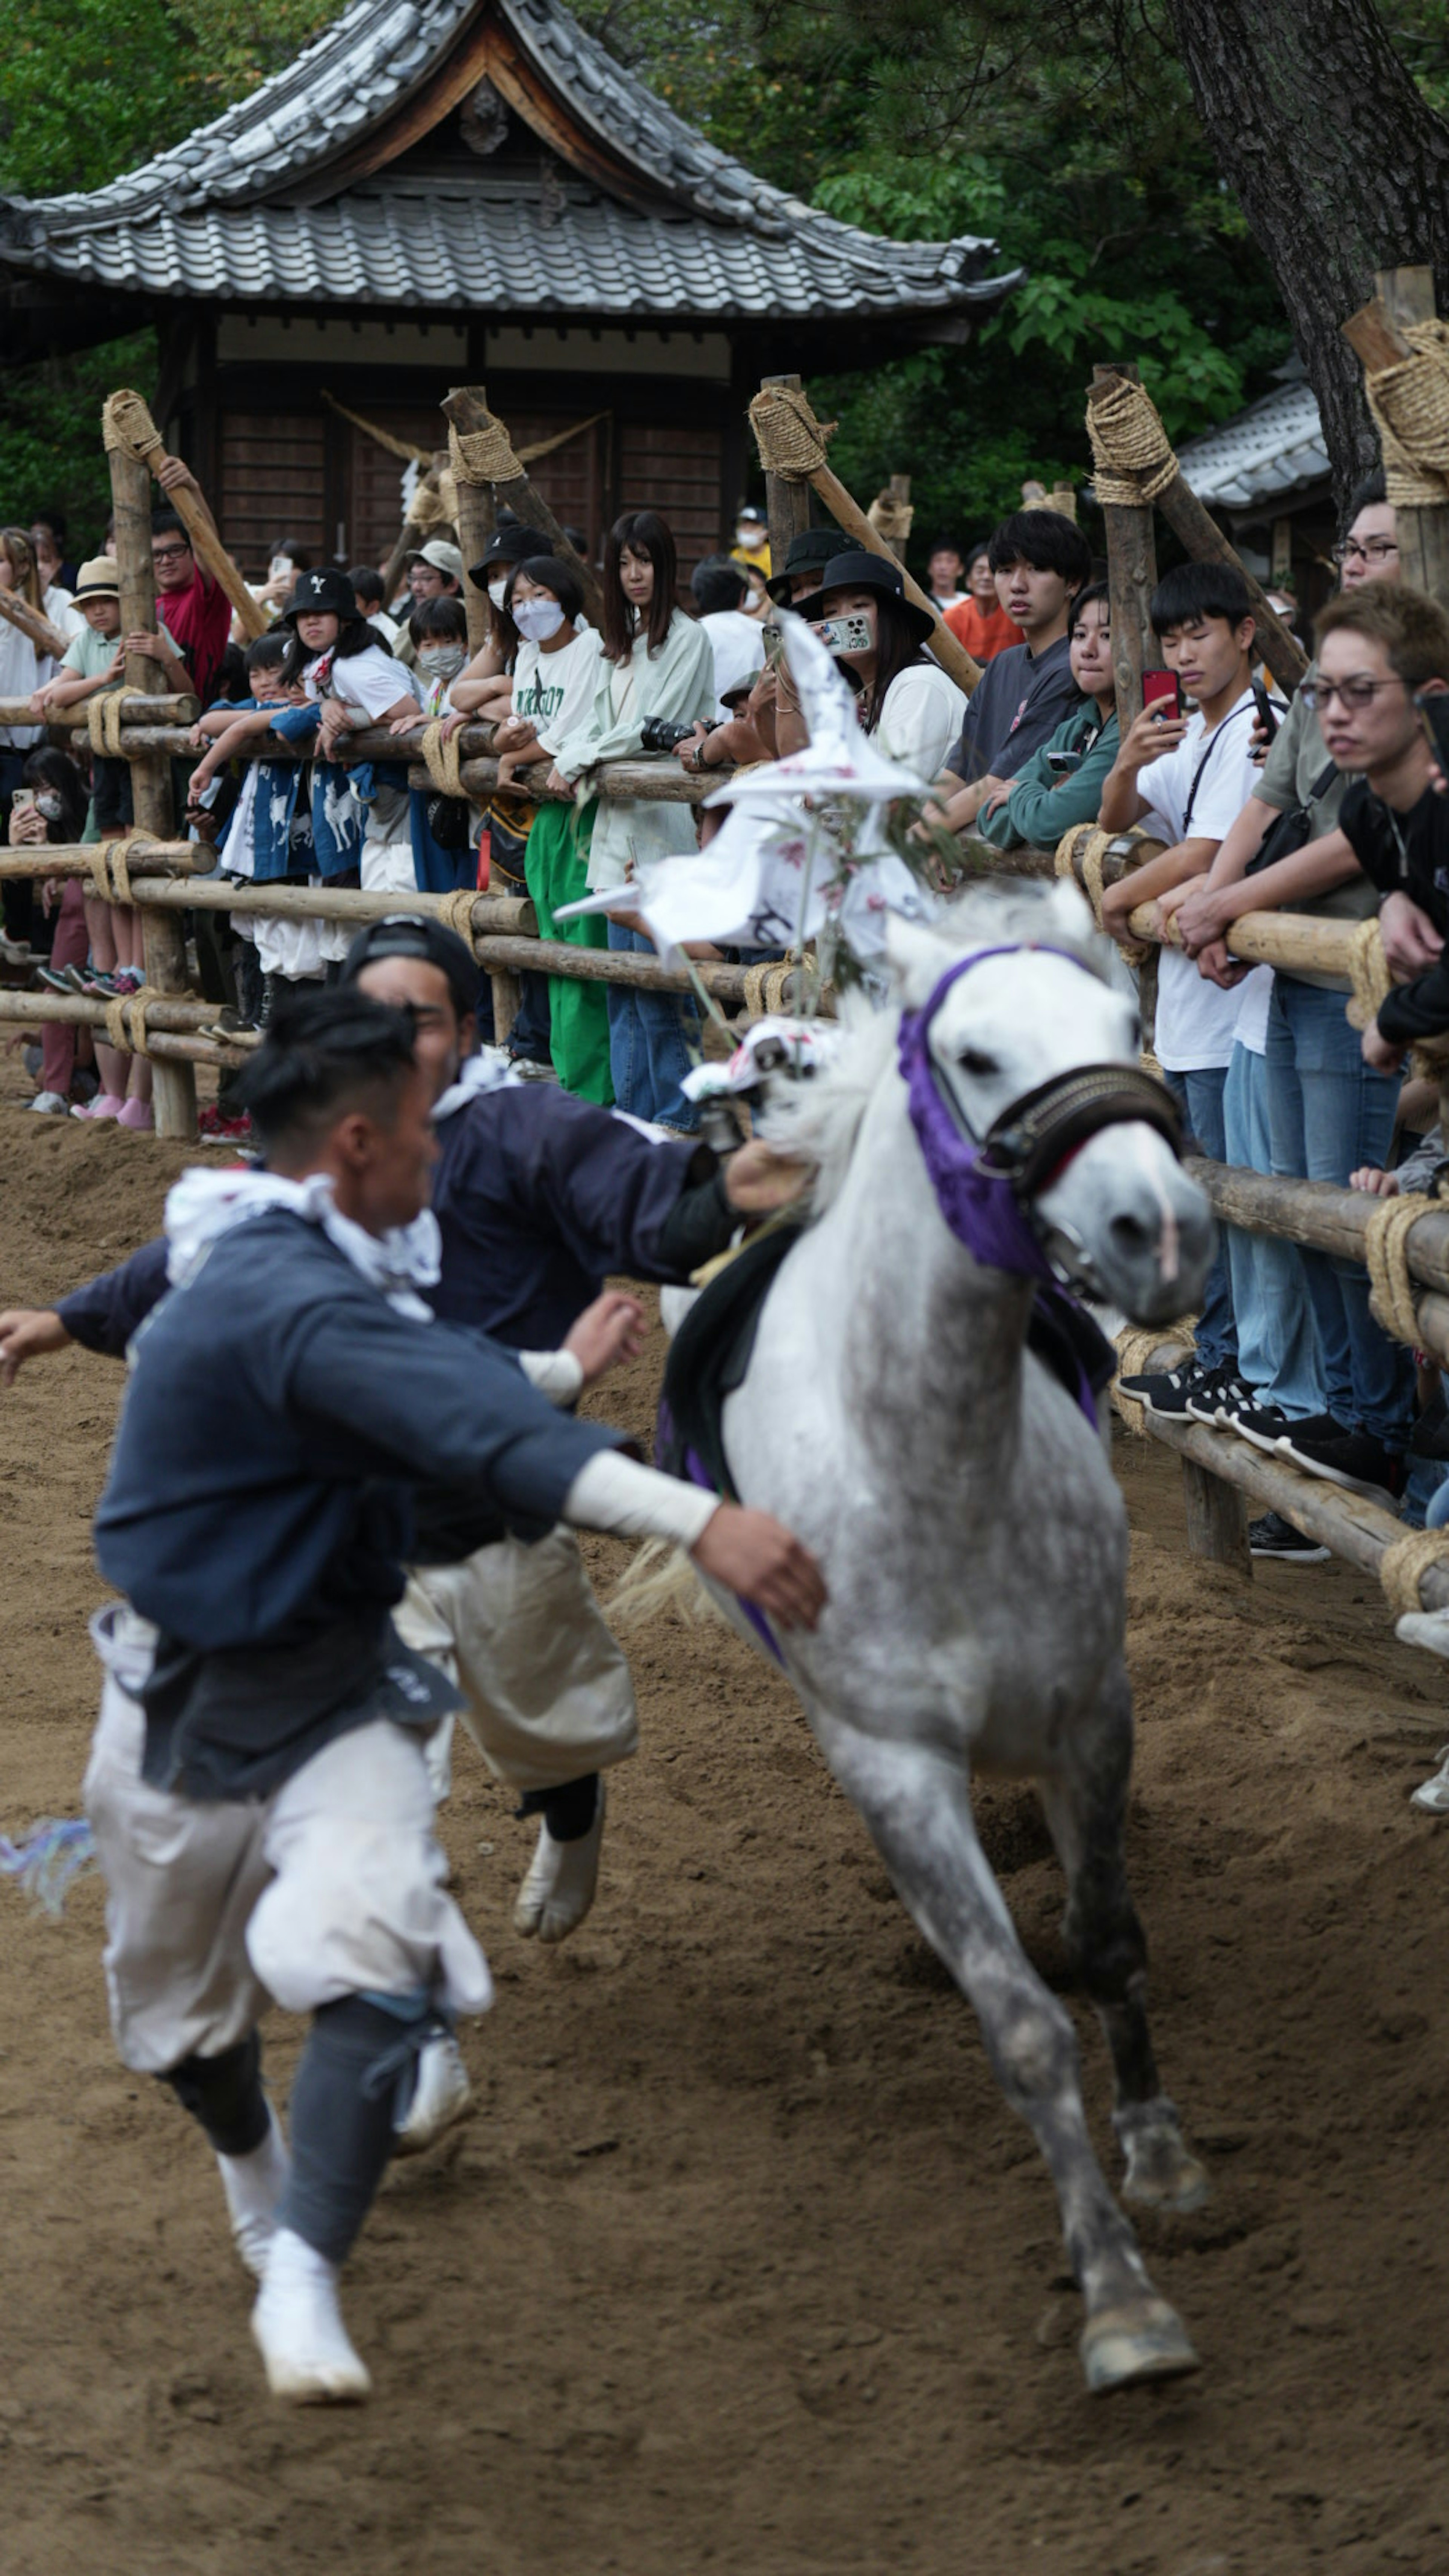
<point>1349,1458</point>
<point>1273,1536</point>
<point>1167,1390</point>
<point>1210,1404</point>
<point>1264,1424</point>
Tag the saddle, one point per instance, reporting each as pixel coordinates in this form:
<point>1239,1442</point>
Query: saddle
<point>711,1353</point>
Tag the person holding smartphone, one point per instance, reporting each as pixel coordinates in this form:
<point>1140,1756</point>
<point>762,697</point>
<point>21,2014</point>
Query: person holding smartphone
<point>906,702</point>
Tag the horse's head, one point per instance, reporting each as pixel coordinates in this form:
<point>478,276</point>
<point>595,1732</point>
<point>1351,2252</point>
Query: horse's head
<point>1042,1135</point>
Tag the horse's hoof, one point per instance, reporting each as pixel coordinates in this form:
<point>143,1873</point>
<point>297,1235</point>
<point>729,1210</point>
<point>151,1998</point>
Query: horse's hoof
<point>1163,2174</point>
<point>1121,2346</point>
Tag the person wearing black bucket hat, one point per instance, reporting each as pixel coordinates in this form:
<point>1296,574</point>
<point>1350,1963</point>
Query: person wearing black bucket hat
<point>909,706</point>
<point>806,557</point>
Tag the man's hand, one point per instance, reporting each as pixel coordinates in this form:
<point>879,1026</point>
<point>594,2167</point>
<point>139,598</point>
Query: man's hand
<point>610,1330</point>
<point>1384,1054</point>
<point>994,793</point>
<point>1411,942</point>
<point>173,476</point>
<point>1217,965</point>
<point>686,751</point>
<point>757,1180</point>
<point>1201,917</point>
<point>27,1333</point>
<point>1118,901</point>
<point>754,1556</point>
<point>1377,1183</point>
<point>144,642</point>
<point>1148,737</point>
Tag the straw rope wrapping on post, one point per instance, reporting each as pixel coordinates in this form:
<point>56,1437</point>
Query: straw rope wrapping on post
<point>1136,1349</point>
<point>1080,858</point>
<point>484,455</point>
<point>103,722</point>
<point>1368,974</point>
<point>1404,1563</point>
<point>127,427</point>
<point>126,1019</point>
<point>111,870</point>
<point>1132,456</point>
<point>1410,405</point>
<point>442,758</point>
<point>891,518</point>
<point>790,439</point>
<point>770,989</point>
<point>1393,1290</point>
<point>456,910</point>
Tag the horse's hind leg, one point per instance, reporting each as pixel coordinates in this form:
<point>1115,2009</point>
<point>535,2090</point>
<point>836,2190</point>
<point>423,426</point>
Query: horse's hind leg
<point>918,1808</point>
<point>1085,1806</point>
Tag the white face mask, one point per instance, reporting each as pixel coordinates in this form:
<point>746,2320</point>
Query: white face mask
<point>498,590</point>
<point>47,804</point>
<point>538,619</point>
<point>441,661</point>
<point>750,537</point>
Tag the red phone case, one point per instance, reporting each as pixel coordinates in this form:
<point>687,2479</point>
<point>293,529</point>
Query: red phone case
<point>1162,689</point>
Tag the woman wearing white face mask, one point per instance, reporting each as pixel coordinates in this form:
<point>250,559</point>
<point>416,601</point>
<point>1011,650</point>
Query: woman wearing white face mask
<point>555,675</point>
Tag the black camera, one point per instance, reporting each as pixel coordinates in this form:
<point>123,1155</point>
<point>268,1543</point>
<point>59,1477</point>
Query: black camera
<point>658,734</point>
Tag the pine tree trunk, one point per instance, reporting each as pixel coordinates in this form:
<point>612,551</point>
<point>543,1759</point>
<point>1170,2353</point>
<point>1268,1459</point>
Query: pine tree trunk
<point>1340,166</point>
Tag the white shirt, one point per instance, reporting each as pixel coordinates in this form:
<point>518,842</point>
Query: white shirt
<point>920,719</point>
<point>370,681</point>
<point>1196,1021</point>
<point>739,650</point>
<point>555,691</point>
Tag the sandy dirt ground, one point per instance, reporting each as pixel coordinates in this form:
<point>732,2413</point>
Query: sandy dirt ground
<point>740,2262</point>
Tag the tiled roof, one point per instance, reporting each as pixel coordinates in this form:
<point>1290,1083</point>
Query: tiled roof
<point>1274,450</point>
<point>212,216</point>
<point>490,246</point>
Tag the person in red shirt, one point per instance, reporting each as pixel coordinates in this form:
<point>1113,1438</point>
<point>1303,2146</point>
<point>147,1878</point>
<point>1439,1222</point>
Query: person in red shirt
<point>196,608</point>
<point>979,621</point>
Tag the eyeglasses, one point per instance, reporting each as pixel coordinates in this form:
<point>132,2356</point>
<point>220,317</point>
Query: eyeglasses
<point>1373,553</point>
<point>168,554</point>
<point>1354,693</point>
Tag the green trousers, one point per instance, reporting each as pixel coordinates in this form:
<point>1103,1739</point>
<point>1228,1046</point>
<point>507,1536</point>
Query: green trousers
<point>556,872</point>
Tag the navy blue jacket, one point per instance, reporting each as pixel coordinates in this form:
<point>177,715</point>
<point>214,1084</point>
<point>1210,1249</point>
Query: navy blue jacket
<point>539,1197</point>
<point>278,1415</point>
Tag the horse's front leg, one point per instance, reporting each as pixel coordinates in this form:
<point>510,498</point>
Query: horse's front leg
<point>1085,1806</point>
<point>917,1805</point>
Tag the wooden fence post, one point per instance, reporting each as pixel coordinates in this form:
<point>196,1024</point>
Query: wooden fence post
<point>477,519</point>
<point>1131,581</point>
<point>787,500</point>
<point>164,949</point>
<point>1423,535</point>
<point>1217,1524</point>
<point>467,413</point>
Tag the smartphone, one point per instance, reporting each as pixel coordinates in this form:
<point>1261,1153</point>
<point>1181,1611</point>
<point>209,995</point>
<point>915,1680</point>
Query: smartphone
<point>1062,763</point>
<point>1161,694</point>
<point>846,634</point>
<point>22,797</point>
<point>1267,712</point>
<point>1433,706</point>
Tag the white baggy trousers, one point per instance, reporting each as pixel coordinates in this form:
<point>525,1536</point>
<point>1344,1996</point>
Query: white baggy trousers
<point>331,1886</point>
<point>547,1690</point>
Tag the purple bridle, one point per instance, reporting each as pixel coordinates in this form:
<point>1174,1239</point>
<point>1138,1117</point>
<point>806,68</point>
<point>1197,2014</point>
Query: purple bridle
<point>986,1187</point>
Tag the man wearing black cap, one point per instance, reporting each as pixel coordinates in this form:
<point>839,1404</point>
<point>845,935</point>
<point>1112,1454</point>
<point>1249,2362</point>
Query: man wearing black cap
<point>806,557</point>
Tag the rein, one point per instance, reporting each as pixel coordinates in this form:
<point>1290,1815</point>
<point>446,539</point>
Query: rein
<point>986,1186</point>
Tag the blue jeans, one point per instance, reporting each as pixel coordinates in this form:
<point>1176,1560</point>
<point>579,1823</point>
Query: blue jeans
<point>649,1044</point>
<point>1327,1113</point>
<point>1199,1095</point>
<point>1277,1342</point>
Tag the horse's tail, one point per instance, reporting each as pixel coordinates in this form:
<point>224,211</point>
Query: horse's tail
<point>661,1577</point>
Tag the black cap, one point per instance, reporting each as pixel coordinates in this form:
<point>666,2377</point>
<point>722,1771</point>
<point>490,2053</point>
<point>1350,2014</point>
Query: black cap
<point>325,593</point>
<point>511,544</point>
<point>860,571</point>
<point>420,935</point>
<point>810,551</point>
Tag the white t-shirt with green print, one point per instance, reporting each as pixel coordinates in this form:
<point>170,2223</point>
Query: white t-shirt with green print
<point>556,690</point>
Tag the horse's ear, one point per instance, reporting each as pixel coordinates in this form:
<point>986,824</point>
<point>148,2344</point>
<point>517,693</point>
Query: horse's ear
<point>917,957</point>
<point>1069,910</point>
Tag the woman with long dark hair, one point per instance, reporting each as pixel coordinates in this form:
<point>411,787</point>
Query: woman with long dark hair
<point>52,807</point>
<point>906,703</point>
<point>657,668</point>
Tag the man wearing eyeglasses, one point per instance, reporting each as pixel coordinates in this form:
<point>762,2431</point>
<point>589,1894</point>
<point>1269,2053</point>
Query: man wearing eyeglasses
<point>1324,1103</point>
<point>198,612</point>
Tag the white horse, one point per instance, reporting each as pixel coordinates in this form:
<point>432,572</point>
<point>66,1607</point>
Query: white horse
<point>962,1506</point>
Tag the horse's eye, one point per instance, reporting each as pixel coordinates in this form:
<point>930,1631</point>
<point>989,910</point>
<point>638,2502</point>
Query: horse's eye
<point>971,1060</point>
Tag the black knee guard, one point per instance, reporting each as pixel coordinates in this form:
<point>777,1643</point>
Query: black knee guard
<point>568,1811</point>
<point>225,2094</point>
<point>355,2074</point>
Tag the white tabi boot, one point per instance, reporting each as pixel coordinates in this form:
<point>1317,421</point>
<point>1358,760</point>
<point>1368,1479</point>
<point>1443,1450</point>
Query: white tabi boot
<point>254,2186</point>
<point>562,1882</point>
<point>441,2095</point>
<point>298,2325</point>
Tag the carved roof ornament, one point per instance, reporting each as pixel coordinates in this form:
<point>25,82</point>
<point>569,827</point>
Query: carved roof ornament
<point>483,120</point>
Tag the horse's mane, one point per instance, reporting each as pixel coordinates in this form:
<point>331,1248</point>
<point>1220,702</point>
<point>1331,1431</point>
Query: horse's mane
<point>820,1120</point>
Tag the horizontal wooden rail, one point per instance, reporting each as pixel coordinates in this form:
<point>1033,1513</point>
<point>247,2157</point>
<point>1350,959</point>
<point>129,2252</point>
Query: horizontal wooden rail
<point>175,709</point>
<point>76,858</point>
<point>1313,1212</point>
<point>173,1040</point>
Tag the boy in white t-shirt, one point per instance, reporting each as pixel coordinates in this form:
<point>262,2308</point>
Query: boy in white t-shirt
<point>1188,778</point>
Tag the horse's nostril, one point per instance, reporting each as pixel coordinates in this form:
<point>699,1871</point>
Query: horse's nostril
<point>1130,1234</point>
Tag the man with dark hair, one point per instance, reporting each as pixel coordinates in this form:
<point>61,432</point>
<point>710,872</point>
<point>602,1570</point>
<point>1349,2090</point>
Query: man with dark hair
<point>196,608</point>
<point>257,1788</point>
<point>1039,561</point>
<point>944,567</point>
<point>366,583</point>
<point>1188,777</point>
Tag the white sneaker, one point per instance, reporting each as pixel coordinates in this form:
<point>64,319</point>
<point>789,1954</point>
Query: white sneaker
<point>562,1881</point>
<point>441,2096</point>
<point>1432,1796</point>
<point>254,2186</point>
<point>298,2326</point>
<point>50,1104</point>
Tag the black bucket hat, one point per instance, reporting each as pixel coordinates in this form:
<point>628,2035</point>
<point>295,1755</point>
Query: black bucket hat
<point>810,551</point>
<point>860,571</point>
<point>513,543</point>
<point>325,593</point>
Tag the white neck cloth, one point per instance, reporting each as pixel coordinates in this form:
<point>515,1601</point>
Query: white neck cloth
<point>204,1205</point>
